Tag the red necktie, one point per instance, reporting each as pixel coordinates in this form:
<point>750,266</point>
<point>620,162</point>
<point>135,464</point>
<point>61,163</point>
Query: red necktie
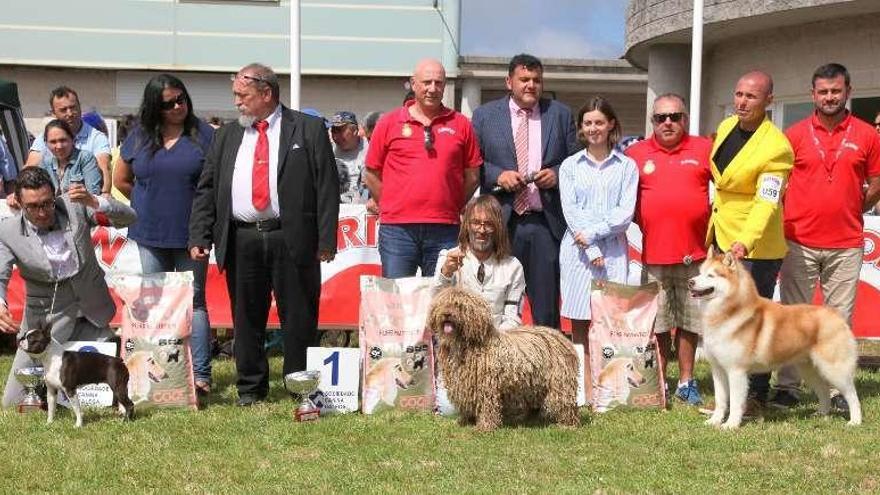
<point>521,144</point>
<point>260,179</point>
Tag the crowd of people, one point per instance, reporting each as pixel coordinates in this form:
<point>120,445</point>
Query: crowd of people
<point>557,194</point>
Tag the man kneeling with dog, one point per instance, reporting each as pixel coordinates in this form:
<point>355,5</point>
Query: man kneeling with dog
<point>50,242</point>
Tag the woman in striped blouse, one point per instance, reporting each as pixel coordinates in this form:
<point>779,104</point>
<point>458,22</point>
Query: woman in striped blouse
<point>598,191</point>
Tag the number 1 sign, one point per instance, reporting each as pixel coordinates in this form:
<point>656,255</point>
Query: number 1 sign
<point>340,378</point>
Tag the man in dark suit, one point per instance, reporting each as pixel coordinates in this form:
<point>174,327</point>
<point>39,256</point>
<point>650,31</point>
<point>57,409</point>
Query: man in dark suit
<point>523,139</point>
<point>268,200</point>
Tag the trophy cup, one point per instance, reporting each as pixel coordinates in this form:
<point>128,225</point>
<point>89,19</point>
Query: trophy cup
<point>304,383</point>
<point>30,378</point>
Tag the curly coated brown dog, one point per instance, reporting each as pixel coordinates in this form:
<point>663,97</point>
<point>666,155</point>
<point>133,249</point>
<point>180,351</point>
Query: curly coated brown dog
<point>494,377</point>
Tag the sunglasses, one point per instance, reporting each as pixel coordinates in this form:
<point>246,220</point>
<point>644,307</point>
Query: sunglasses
<point>660,118</point>
<point>429,138</point>
<point>876,124</point>
<point>249,78</point>
<point>170,104</point>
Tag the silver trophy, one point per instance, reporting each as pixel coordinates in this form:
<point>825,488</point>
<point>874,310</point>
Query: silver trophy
<point>304,383</point>
<point>30,378</point>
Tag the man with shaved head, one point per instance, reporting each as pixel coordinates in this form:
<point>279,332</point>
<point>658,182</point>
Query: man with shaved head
<point>422,166</point>
<point>751,161</point>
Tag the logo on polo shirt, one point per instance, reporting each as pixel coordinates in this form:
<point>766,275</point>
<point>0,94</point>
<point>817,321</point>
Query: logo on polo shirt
<point>649,167</point>
<point>406,130</point>
<point>850,145</point>
<point>447,130</point>
<point>690,161</point>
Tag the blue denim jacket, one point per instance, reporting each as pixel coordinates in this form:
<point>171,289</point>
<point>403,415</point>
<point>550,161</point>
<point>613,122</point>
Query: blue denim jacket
<point>82,167</point>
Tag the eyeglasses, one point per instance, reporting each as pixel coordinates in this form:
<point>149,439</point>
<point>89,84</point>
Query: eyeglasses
<point>429,138</point>
<point>660,118</point>
<point>170,104</point>
<point>876,124</point>
<point>481,225</point>
<point>249,78</point>
<point>47,205</point>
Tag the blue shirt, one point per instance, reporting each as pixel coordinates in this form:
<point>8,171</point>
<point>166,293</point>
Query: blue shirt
<point>598,199</point>
<point>82,167</point>
<point>7,167</point>
<point>88,138</point>
<point>164,185</point>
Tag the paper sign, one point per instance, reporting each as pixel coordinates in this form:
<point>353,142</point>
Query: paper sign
<point>582,394</point>
<point>340,378</point>
<point>95,395</point>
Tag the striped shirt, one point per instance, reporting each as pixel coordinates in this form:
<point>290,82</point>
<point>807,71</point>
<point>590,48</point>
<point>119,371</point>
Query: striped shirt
<point>598,201</point>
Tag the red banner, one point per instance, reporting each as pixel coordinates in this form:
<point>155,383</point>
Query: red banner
<point>357,238</point>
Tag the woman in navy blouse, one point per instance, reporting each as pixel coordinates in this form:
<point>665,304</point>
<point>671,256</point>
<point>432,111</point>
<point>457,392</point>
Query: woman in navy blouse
<point>158,168</point>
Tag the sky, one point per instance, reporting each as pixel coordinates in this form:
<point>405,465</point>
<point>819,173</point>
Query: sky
<point>561,28</point>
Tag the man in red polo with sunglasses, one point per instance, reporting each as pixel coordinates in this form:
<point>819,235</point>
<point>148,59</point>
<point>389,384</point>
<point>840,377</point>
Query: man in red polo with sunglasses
<point>835,155</point>
<point>422,166</point>
<point>673,213</point>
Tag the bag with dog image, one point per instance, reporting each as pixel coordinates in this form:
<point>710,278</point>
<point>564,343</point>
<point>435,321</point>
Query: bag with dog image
<point>624,362</point>
<point>396,346</point>
<point>156,327</point>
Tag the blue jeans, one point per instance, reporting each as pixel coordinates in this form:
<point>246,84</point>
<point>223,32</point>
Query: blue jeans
<point>155,260</point>
<point>407,246</point>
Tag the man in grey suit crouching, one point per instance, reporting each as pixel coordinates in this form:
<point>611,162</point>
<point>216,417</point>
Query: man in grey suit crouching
<point>50,241</point>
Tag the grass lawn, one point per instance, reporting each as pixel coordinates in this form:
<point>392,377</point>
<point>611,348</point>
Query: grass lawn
<point>225,449</point>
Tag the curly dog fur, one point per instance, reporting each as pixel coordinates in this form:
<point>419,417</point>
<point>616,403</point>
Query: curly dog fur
<point>494,377</point>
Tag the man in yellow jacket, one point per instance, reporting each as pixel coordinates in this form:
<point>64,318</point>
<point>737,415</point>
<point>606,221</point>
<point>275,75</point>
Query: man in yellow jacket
<point>751,160</point>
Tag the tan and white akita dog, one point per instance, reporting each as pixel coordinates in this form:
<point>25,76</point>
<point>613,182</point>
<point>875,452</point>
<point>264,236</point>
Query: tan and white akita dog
<point>745,333</point>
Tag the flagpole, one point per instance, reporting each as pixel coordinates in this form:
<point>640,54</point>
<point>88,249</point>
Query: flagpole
<point>696,67</point>
<point>295,54</point>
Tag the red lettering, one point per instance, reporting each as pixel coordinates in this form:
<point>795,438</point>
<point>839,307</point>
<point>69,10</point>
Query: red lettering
<point>872,248</point>
<point>414,402</point>
<point>174,396</point>
<point>346,234</point>
<point>109,249</point>
<point>372,230</point>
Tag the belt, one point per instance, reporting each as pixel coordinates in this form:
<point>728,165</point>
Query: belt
<point>267,225</point>
<point>528,212</point>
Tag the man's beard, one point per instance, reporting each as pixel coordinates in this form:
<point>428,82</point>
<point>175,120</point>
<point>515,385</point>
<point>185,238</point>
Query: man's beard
<point>835,112</point>
<point>246,120</point>
<point>480,246</point>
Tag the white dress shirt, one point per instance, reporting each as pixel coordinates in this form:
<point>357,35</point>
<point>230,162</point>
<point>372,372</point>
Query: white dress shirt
<point>242,176</point>
<point>502,286</point>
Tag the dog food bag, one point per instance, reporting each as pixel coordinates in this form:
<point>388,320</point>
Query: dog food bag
<point>624,362</point>
<point>396,346</point>
<point>156,326</point>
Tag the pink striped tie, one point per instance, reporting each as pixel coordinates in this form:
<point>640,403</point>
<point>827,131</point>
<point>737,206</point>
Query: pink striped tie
<point>521,143</point>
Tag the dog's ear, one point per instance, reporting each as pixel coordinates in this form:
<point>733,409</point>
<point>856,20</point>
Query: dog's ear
<point>710,253</point>
<point>729,260</point>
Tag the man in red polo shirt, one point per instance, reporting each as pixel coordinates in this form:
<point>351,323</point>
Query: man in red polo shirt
<point>422,166</point>
<point>836,154</point>
<point>673,213</point>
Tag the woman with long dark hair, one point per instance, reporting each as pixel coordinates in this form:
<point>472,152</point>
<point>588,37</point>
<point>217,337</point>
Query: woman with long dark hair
<point>158,168</point>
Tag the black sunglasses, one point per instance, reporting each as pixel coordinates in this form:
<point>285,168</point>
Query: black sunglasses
<point>876,124</point>
<point>170,104</point>
<point>660,118</point>
<point>429,138</point>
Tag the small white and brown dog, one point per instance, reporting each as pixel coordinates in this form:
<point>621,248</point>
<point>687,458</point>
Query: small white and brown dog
<point>67,370</point>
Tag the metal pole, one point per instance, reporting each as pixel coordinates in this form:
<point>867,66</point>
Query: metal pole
<point>696,67</point>
<point>295,54</point>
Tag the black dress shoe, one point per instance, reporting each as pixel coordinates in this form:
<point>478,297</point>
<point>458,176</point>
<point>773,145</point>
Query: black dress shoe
<point>248,400</point>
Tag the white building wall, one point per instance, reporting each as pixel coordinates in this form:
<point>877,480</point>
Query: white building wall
<point>790,55</point>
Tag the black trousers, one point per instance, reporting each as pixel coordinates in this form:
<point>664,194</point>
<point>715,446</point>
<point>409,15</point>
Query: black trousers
<point>259,265</point>
<point>537,250</point>
<point>764,273</point>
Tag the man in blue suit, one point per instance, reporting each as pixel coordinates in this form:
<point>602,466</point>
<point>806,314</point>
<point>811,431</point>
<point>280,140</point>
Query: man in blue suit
<point>523,139</point>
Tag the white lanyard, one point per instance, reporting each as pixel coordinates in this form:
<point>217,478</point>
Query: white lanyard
<point>823,155</point>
